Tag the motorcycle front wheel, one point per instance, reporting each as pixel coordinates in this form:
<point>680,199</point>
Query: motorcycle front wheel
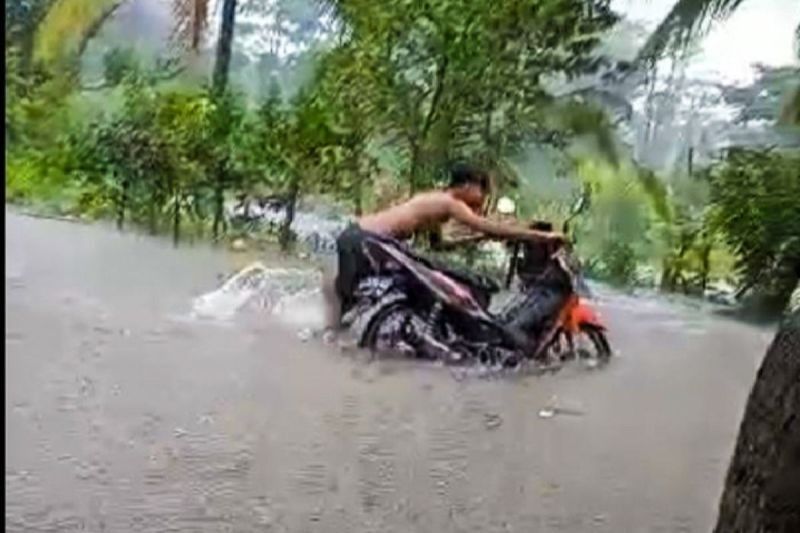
<point>589,344</point>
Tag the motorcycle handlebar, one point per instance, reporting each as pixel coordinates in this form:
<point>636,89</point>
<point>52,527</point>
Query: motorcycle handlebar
<point>518,241</point>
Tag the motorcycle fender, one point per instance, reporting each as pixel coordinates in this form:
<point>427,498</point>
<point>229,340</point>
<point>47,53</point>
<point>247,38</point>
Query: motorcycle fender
<point>583,314</point>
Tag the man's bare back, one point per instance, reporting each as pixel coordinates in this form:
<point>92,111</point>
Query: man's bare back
<point>424,211</point>
<point>429,210</point>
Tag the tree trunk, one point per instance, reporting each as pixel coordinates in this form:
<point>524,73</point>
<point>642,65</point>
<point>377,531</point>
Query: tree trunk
<point>151,214</point>
<point>358,193</point>
<point>123,204</point>
<point>705,267</point>
<point>285,237</point>
<point>762,488</point>
<point>359,196</point>
<point>219,82</point>
<point>222,62</point>
<point>413,170</point>
<point>176,219</point>
<point>219,200</point>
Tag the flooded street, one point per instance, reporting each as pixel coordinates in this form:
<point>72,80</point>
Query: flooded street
<point>125,414</point>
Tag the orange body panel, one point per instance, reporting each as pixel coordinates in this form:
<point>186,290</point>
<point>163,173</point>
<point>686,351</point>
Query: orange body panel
<point>576,313</point>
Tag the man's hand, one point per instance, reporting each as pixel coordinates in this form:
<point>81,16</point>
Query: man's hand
<point>557,238</point>
<point>550,237</point>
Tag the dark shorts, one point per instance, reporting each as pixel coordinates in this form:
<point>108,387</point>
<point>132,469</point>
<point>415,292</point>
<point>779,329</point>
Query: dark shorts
<point>353,263</point>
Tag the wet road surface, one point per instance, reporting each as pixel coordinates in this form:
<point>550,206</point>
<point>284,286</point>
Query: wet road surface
<point>124,414</point>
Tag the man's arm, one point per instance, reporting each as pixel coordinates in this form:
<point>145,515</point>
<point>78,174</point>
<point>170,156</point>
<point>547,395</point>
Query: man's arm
<point>462,213</point>
<point>451,244</point>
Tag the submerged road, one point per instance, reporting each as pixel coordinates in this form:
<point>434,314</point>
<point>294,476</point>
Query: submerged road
<point>124,414</point>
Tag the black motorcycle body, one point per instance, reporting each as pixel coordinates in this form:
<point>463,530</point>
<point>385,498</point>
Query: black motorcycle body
<point>410,306</point>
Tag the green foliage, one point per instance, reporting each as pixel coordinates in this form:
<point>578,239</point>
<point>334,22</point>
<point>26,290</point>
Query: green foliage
<point>119,63</point>
<point>618,262</point>
<point>617,232</point>
<point>415,83</point>
<point>756,200</point>
<point>460,78</point>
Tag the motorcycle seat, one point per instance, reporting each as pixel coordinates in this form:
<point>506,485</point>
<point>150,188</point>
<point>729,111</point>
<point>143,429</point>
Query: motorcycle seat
<point>474,281</point>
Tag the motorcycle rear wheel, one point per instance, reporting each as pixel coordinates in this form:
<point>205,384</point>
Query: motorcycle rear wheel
<point>399,330</point>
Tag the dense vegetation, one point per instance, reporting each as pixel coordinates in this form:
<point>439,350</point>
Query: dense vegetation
<point>400,90</point>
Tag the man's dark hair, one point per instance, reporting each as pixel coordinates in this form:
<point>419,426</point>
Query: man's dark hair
<point>462,174</point>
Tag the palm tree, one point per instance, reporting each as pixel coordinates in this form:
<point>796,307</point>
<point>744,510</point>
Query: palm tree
<point>762,488</point>
<point>64,28</point>
<point>686,20</point>
<point>689,19</point>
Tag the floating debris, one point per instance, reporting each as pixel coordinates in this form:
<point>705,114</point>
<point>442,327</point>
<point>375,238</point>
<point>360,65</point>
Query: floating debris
<point>239,245</point>
<point>329,337</point>
<point>552,408</point>
<point>305,334</point>
<point>492,420</point>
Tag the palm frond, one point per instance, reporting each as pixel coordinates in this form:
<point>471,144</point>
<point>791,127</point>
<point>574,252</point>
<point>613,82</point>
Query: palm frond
<point>686,20</point>
<point>69,25</point>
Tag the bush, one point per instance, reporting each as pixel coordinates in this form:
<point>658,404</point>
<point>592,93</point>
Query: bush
<point>618,263</point>
<point>755,196</point>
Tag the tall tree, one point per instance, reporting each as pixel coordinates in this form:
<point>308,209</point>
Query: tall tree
<point>221,74</point>
<point>222,61</point>
<point>762,488</point>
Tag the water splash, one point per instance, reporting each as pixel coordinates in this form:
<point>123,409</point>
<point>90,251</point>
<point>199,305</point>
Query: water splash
<point>258,287</point>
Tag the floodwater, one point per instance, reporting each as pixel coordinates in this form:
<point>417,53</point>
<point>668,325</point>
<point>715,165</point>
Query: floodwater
<point>126,413</point>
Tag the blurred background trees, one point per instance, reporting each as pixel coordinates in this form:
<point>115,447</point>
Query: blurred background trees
<point>363,103</point>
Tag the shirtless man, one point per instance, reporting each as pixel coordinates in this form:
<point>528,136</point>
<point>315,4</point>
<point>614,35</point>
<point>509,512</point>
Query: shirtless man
<point>462,200</point>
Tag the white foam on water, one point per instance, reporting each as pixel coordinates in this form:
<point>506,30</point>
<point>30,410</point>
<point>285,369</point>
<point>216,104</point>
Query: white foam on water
<point>287,293</point>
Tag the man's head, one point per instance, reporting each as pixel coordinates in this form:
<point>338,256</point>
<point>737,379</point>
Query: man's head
<point>469,184</point>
